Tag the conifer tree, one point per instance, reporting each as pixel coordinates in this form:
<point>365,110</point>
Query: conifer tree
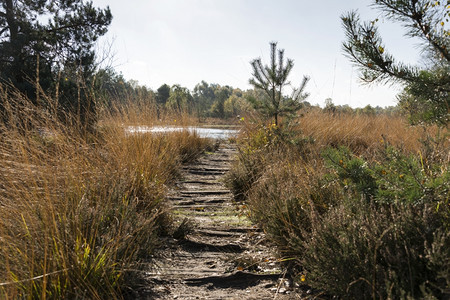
<point>48,44</point>
<point>427,89</point>
<point>272,79</point>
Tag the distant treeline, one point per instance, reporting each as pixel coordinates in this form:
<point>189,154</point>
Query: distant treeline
<point>206,100</point>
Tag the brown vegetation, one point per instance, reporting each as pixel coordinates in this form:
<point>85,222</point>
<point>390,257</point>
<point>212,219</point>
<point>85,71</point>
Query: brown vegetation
<point>80,211</point>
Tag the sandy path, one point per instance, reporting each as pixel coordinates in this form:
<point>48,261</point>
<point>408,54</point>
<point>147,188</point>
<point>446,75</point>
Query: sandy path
<point>224,256</point>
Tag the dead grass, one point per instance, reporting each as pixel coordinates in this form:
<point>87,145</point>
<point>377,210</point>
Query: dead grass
<point>81,211</point>
<point>363,132</point>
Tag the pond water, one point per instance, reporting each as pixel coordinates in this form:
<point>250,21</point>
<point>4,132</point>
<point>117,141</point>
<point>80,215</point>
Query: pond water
<point>204,132</point>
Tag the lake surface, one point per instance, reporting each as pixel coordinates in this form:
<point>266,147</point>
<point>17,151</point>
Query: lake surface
<point>204,132</point>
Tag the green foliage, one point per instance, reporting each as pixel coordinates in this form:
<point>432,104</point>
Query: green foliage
<point>425,103</point>
<point>47,46</point>
<point>163,94</point>
<point>352,170</point>
<point>272,79</point>
<point>112,89</point>
<point>426,90</point>
<point>180,99</point>
<point>368,110</point>
<point>329,106</point>
<point>214,100</point>
<point>221,94</point>
<point>236,104</point>
<point>204,97</point>
<point>361,251</point>
<point>395,178</point>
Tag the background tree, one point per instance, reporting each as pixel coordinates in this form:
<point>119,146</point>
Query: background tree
<point>180,99</point>
<point>162,94</point>
<point>49,44</point>
<point>204,97</point>
<point>221,94</point>
<point>236,104</point>
<point>426,95</point>
<point>109,85</point>
<point>329,106</point>
<point>272,79</point>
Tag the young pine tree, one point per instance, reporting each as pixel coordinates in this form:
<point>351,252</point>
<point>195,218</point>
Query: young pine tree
<point>272,79</point>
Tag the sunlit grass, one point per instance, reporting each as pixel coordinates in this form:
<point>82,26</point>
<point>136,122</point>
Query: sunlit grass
<point>80,212</point>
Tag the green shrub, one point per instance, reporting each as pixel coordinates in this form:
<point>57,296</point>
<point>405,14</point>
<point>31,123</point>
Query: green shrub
<point>352,171</point>
<point>360,250</point>
<point>251,156</point>
<point>393,177</point>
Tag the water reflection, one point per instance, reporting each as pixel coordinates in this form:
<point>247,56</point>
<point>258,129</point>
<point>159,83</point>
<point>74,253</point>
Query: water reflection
<point>213,133</point>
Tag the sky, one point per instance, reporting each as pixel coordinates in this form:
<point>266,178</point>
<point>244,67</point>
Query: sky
<point>187,41</point>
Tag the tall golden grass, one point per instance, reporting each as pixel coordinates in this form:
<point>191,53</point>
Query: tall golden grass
<point>80,212</point>
<point>363,132</point>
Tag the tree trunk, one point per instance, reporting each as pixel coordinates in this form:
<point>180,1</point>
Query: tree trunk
<point>11,20</point>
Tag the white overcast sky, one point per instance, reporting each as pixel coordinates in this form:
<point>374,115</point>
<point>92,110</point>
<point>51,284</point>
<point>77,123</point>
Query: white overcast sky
<point>187,41</point>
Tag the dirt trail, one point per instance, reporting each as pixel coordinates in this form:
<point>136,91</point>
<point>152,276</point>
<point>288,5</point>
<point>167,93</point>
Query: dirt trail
<point>224,256</point>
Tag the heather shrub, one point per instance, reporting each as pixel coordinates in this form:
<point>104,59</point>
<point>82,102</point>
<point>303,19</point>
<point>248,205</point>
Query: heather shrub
<point>285,198</point>
<point>363,216</point>
<point>386,239</point>
<point>352,170</point>
<point>251,160</point>
<point>361,250</point>
<point>393,176</point>
<point>259,148</point>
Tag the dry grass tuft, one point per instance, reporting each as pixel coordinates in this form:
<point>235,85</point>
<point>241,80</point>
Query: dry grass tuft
<point>79,211</point>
